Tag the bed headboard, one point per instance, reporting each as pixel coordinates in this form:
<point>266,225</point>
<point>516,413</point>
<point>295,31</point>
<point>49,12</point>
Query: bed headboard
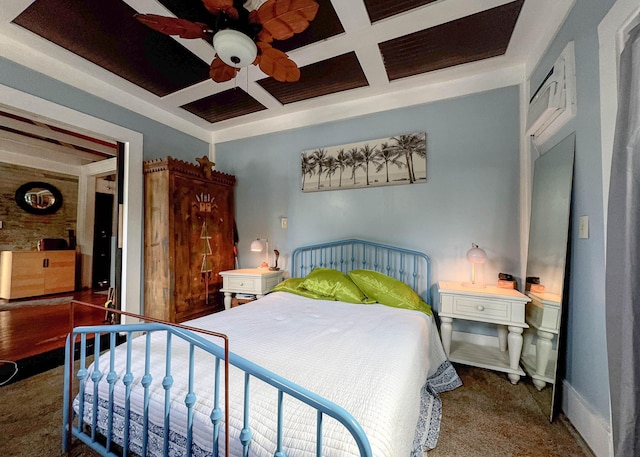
<point>411,267</point>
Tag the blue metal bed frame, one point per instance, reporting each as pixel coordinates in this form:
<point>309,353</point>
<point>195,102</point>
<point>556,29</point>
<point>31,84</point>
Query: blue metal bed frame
<point>411,267</point>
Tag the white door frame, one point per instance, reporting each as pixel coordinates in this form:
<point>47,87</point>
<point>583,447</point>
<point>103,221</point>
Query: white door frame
<point>86,214</point>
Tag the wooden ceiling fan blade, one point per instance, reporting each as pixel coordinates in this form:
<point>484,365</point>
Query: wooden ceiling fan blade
<point>216,7</point>
<point>221,72</point>
<point>277,64</point>
<point>281,19</point>
<point>174,26</point>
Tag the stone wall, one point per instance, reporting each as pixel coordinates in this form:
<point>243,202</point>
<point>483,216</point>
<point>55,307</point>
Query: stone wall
<point>21,230</point>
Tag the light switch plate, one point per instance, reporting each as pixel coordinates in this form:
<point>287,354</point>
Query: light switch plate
<point>583,230</point>
<point>284,222</point>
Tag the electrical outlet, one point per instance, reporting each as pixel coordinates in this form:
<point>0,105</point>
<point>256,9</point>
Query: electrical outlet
<point>583,229</point>
<point>284,222</point>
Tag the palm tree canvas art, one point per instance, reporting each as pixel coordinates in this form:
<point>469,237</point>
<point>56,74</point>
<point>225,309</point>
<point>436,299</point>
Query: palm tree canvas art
<point>400,159</point>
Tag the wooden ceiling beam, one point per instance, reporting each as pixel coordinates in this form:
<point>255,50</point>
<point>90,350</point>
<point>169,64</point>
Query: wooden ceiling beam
<point>44,131</point>
<point>37,148</point>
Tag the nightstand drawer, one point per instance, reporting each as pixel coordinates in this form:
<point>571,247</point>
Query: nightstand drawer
<point>242,284</point>
<point>474,308</point>
<point>270,283</point>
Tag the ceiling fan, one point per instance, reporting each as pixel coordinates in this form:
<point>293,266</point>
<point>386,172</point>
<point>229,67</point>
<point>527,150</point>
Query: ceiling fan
<point>242,33</point>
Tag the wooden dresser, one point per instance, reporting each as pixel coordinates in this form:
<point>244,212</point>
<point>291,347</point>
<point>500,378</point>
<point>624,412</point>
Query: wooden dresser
<point>32,273</point>
<point>188,238</point>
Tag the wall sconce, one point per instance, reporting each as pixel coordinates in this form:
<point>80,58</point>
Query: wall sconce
<point>477,257</point>
<point>257,246</point>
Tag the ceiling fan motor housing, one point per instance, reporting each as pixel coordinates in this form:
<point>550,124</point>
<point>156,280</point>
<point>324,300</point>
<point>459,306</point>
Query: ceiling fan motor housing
<point>235,48</point>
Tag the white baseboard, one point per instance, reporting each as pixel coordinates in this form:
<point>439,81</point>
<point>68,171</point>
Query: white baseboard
<point>595,431</point>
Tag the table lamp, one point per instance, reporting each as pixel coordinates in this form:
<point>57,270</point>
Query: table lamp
<point>477,257</point>
<point>257,246</point>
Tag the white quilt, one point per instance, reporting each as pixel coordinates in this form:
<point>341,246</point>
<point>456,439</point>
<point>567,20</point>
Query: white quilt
<point>372,360</point>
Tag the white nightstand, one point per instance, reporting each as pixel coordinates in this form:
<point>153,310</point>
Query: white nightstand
<point>254,281</point>
<point>503,307</point>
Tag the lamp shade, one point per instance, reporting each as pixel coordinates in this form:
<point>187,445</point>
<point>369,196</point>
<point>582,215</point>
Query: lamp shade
<point>476,254</point>
<point>235,48</point>
<point>256,246</point>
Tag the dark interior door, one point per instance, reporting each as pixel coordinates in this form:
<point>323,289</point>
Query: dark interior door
<point>102,233</point>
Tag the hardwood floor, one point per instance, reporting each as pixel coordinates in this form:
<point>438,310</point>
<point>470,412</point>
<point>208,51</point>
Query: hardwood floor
<point>33,336</point>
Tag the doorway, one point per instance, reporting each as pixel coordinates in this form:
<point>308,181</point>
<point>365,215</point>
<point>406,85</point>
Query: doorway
<point>102,241</point>
<point>129,224</point>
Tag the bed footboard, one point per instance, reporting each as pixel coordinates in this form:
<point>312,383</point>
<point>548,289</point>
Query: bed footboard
<point>102,416</point>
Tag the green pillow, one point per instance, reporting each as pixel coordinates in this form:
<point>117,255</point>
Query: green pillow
<point>333,284</point>
<point>292,285</point>
<point>388,291</point>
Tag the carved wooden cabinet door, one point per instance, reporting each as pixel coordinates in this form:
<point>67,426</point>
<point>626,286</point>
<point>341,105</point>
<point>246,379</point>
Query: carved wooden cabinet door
<point>203,239</point>
<point>188,238</point>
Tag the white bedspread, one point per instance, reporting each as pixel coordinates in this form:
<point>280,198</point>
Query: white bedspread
<point>372,360</point>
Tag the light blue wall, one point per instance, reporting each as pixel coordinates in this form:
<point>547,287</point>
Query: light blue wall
<point>471,194</point>
<point>159,140</point>
<point>587,370</point>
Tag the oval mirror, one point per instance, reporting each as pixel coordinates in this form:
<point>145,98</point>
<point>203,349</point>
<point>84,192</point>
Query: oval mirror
<point>39,198</point>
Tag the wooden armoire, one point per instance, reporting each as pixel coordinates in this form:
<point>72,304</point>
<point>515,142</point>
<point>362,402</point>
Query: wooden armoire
<point>188,238</point>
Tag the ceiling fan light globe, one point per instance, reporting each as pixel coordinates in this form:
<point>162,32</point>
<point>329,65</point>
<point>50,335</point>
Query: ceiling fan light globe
<point>235,48</point>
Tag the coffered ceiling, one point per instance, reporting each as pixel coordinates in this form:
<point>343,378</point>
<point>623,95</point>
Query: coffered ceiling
<point>356,56</point>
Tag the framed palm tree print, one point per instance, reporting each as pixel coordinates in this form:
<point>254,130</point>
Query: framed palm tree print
<point>395,160</point>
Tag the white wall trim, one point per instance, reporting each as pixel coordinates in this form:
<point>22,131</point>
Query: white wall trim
<point>611,36</point>
<point>87,188</point>
<point>16,158</point>
<point>593,429</point>
<point>101,168</point>
<point>430,92</point>
<point>132,220</point>
<point>526,176</point>
<point>558,11</point>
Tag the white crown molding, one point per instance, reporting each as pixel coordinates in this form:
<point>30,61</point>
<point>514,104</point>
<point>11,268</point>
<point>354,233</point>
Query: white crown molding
<point>481,82</point>
<point>534,40</point>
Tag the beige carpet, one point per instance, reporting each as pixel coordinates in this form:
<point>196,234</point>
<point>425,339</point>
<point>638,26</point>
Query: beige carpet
<point>31,417</point>
<point>487,416</point>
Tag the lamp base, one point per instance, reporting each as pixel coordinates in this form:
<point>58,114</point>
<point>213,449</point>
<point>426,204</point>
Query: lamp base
<point>274,269</point>
<point>477,285</point>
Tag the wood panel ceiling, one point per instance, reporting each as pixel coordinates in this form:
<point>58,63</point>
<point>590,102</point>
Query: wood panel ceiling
<point>43,139</point>
<point>353,49</point>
